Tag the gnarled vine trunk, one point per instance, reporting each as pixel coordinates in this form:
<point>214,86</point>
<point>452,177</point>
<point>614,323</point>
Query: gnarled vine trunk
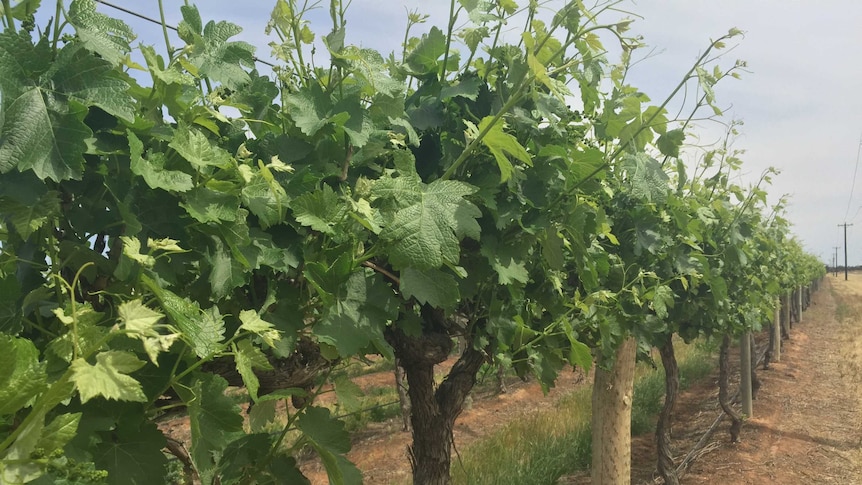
<point>433,409</point>
<point>666,467</point>
<point>723,371</point>
<point>403,400</point>
<point>612,418</point>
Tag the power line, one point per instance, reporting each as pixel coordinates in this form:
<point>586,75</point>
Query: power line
<point>845,247</point>
<point>158,22</point>
<point>853,184</point>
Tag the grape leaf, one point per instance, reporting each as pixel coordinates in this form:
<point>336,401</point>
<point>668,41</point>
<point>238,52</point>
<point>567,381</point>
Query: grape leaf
<point>663,298</point>
<point>35,137</point>
<point>357,318</point>
<point>28,218</point>
<point>59,431</point>
<point>208,205</point>
<point>203,330</point>
<point>106,36</point>
<point>423,59</point>
<point>321,210</point>
<point>108,377</point>
<point>212,54</point>
<point>192,145</point>
<point>139,321</point>
<point>214,418</point>
<point>265,198</point>
<point>670,142</point>
<point>328,432</point>
<point>580,354</point>
<point>138,318</point>
<point>347,393</point>
<point>371,67</point>
<point>91,81</point>
<point>648,180</point>
<point>227,272</point>
<point>510,271</point>
<point>309,109</point>
<point>424,234</point>
<point>132,454</point>
<point>252,322</point>
<point>152,169</point>
<point>502,144</point>
<point>466,87</point>
<point>23,376</point>
<point>431,286</point>
<point>247,358</point>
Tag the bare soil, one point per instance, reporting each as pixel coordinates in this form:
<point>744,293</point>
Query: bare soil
<point>806,428</point>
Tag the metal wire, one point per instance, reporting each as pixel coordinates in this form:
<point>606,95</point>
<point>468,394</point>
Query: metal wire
<point>157,22</point>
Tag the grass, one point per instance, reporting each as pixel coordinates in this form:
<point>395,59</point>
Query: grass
<point>542,447</point>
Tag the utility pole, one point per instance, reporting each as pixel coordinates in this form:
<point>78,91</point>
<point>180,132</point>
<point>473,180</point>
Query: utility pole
<point>835,260</point>
<point>845,247</point>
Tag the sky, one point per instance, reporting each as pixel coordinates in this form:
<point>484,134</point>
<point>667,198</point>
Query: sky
<point>799,100</point>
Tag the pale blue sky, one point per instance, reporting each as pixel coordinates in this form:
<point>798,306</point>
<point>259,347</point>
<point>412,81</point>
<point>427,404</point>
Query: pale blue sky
<point>800,103</point>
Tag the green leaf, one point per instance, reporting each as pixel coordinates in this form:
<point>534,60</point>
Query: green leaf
<point>108,377</point>
<point>208,205</point>
<point>265,198</point>
<point>246,460</point>
<point>466,87</point>
<point>104,35</point>
<point>92,81</point>
<point>59,431</point>
<point>227,273</point>
<point>24,8</point>
<point>36,136</point>
<point>212,54</point>
<point>203,330</point>
<point>140,321</point>
<point>131,452</point>
<point>431,286</point>
<point>327,432</point>
<point>647,178</point>
<point>152,169</point>
<point>28,218</point>
<point>309,108</point>
<point>23,376</point>
<point>663,298</point>
<point>501,145</point>
<point>214,418</point>
<point>370,66</point>
<point>347,393</point>
<point>670,142</point>
<point>262,415</point>
<point>137,318</point>
<point>358,318</point>
<point>425,233</point>
<point>248,358</point>
<point>511,271</point>
<point>580,354</point>
<point>252,322</point>
<point>202,153</point>
<point>322,210</point>
<point>423,59</point>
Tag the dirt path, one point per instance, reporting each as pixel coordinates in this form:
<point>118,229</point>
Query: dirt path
<point>807,424</point>
<point>806,429</point>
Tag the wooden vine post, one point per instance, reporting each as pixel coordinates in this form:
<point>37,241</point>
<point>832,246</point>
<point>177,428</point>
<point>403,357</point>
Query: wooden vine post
<point>612,416</point>
<point>799,293</point>
<point>776,333</point>
<point>745,373</point>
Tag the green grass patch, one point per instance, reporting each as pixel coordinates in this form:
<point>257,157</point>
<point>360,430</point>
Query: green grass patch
<point>542,447</point>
